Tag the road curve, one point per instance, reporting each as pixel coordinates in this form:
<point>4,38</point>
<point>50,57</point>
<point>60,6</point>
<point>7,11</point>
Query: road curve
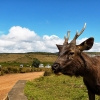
<point>9,80</point>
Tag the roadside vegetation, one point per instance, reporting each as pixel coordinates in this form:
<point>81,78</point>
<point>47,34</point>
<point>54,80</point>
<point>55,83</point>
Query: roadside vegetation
<point>24,62</point>
<point>48,87</point>
<point>15,59</point>
<point>56,88</point>
<point>15,69</point>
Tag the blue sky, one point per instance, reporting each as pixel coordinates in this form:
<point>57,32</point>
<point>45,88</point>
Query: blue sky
<point>50,17</point>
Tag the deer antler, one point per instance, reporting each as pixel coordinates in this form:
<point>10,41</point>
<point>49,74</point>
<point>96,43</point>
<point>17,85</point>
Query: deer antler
<point>68,35</point>
<point>78,34</point>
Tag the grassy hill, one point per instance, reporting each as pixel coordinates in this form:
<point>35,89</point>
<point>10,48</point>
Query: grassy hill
<point>16,59</point>
<point>25,58</point>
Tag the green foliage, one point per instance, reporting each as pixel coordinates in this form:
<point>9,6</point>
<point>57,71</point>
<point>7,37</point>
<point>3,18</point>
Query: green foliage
<point>56,88</point>
<point>5,70</point>
<point>9,69</point>
<point>15,69</point>
<point>22,70</point>
<point>38,69</point>
<point>48,72</point>
<point>36,62</point>
<point>46,63</point>
<point>1,73</point>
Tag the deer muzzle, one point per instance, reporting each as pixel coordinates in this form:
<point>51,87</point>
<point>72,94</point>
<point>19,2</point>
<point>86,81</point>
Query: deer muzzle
<point>56,68</point>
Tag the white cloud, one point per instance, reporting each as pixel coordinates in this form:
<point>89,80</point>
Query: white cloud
<point>20,40</point>
<point>50,41</point>
<point>96,47</point>
<point>17,33</point>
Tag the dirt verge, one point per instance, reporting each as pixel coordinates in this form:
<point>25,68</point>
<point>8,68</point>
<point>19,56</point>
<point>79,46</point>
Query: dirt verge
<point>8,81</point>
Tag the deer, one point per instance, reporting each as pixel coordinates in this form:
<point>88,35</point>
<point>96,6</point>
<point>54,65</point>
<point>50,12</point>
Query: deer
<point>73,61</point>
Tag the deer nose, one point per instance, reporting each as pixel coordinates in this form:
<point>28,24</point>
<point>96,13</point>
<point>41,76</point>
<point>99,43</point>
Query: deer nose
<point>55,66</point>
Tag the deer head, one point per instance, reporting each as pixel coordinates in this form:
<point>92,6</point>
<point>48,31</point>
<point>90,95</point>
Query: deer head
<point>68,61</point>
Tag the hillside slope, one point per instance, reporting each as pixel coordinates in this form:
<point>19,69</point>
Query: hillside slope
<point>26,58</point>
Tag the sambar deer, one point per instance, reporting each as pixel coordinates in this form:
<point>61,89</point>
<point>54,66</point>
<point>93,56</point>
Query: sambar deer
<point>73,61</point>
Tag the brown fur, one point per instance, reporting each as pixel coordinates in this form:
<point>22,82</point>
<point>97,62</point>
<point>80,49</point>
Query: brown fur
<point>73,62</point>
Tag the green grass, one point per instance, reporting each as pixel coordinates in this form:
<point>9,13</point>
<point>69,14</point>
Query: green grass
<point>56,88</point>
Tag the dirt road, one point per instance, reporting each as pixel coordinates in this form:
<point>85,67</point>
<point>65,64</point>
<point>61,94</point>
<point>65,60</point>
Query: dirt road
<point>8,81</point>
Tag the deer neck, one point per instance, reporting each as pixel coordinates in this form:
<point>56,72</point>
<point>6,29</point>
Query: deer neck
<point>89,66</point>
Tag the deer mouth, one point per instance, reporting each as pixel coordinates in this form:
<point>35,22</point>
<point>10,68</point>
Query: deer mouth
<point>57,72</point>
<point>62,72</point>
<point>69,74</point>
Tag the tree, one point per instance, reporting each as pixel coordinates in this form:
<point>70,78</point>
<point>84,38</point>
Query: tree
<point>36,62</point>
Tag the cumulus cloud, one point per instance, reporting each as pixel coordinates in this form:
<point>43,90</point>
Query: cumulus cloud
<point>21,40</point>
<point>17,33</point>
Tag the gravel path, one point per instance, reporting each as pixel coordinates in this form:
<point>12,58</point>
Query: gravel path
<point>8,81</point>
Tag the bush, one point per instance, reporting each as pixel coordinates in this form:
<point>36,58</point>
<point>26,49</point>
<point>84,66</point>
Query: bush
<point>28,69</point>
<point>22,70</point>
<point>36,62</point>
<point>5,70</point>
<point>36,69</point>
<point>47,72</point>
<point>15,70</point>
<point>25,69</point>
<point>1,73</point>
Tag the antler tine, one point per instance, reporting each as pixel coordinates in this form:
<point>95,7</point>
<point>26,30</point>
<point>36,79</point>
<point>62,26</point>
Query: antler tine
<point>78,34</point>
<point>68,35</point>
<point>67,38</point>
<point>82,29</point>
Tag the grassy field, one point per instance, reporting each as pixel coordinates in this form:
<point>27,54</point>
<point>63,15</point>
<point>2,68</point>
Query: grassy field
<point>44,88</point>
<point>10,62</point>
<point>15,59</point>
<point>56,88</point>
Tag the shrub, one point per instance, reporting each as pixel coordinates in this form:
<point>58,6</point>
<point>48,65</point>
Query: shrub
<point>1,73</point>
<point>28,69</point>
<point>48,72</point>
<point>22,70</point>
<point>36,62</point>
<point>15,69</point>
<point>5,70</point>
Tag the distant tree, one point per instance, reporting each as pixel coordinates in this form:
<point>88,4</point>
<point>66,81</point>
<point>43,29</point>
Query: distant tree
<point>36,62</point>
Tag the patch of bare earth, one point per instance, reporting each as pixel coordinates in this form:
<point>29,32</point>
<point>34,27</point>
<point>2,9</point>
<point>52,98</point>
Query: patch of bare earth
<point>8,81</point>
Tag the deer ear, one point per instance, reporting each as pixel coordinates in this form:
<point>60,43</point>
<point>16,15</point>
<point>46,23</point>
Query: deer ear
<point>87,44</point>
<point>59,47</point>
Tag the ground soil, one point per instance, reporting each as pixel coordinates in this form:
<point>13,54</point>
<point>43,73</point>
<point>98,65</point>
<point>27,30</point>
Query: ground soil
<point>8,81</point>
